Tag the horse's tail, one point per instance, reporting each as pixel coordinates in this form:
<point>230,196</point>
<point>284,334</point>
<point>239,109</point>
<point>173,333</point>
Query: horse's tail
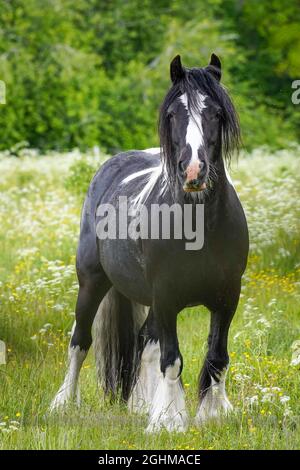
<point>116,328</point>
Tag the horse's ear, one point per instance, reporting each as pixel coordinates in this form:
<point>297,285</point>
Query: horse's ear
<point>176,69</point>
<point>214,67</point>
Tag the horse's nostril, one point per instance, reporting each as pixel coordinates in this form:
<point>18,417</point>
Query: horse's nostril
<point>181,167</point>
<point>203,166</point>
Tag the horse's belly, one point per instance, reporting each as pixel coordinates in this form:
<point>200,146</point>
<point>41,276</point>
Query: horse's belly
<point>123,266</point>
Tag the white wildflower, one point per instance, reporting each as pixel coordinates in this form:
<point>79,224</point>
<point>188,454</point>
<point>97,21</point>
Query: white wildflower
<point>295,353</point>
<point>284,399</point>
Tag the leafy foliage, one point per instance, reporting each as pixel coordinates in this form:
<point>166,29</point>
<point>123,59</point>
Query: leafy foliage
<point>94,73</point>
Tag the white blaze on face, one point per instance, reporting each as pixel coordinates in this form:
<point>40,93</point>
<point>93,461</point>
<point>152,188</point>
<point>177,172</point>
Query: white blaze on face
<point>194,132</point>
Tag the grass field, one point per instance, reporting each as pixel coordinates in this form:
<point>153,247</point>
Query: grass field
<point>38,232</point>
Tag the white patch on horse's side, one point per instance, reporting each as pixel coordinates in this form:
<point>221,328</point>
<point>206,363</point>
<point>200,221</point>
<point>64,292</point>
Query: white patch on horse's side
<point>215,402</point>
<point>147,381</point>
<point>168,406</point>
<point>69,389</point>
<point>194,131</point>
<point>152,150</point>
<point>137,174</point>
<point>154,173</point>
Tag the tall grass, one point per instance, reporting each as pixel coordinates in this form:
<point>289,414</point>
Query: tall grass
<point>39,228</point>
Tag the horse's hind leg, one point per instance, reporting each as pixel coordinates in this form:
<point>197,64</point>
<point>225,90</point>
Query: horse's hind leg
<point>93,287</point>
<point>212,393</point>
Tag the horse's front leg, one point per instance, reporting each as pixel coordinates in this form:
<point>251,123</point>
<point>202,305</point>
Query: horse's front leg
<point>149,367</point>
<point>168,408</point>
<point>212,392</point>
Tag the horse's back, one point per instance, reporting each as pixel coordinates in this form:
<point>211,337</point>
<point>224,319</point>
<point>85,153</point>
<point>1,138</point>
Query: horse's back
<point>123,166</point>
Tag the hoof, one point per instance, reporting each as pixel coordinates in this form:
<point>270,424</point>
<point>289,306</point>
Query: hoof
<point>213,409</point>
<point>62,399</point>
<point>177,423</point>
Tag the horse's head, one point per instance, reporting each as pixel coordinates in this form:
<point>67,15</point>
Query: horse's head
<point>197,120</point>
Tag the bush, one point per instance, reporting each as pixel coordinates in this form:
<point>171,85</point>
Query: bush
<point>94,73</point>
<point>81,173</point>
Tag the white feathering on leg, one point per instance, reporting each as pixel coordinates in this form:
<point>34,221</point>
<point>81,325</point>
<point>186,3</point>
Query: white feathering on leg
<point>168,407</point>
<point>147,381</point>
<point>69,389</point>
<point>215,402</point>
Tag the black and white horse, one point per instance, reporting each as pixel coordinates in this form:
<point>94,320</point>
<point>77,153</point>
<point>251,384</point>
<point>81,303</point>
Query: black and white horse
<point>138,286</point>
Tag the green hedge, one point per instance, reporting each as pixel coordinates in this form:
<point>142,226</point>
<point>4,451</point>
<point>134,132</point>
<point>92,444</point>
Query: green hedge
<point>89,73</point>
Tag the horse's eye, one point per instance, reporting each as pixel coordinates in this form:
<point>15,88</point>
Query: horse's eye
<point>217,115</point>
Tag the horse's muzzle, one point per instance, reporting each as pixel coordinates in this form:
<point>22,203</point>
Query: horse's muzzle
<point>194,186</point>
<point>194,177</point>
